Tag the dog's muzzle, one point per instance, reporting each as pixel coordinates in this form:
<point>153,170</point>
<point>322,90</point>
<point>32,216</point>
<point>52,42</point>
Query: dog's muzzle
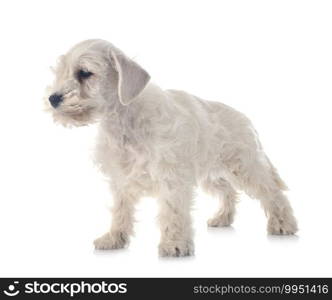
<point>55,100</point>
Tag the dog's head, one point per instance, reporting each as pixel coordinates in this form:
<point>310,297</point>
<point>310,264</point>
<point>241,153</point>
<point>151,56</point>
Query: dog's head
<point>92,77</point>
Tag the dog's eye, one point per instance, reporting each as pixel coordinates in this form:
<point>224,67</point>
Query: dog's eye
<point>82,74</point>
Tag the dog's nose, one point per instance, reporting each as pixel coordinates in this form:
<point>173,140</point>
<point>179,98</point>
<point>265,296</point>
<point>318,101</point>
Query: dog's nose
<point>55,100</point>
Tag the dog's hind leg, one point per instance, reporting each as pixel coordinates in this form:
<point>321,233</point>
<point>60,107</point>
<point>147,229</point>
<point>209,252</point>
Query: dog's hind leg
<point>260,180</point>
<point>226,194</point>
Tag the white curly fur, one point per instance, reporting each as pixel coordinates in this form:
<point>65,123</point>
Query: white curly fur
<point>164,143</point>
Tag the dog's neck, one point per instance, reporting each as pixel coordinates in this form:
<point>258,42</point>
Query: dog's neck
<point>123,121</point>
<point>117,120</point>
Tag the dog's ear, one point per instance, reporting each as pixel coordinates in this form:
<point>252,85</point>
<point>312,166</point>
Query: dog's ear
<point>132,78</point>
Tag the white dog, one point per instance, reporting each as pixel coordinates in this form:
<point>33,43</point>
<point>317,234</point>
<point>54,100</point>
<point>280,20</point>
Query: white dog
<point>163,143</point>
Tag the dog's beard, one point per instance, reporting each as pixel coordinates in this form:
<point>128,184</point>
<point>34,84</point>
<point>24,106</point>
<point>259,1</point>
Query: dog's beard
<point>76,112</point>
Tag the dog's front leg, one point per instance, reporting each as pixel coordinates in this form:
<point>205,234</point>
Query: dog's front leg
<point>122,221</point>
<point>175,220</point>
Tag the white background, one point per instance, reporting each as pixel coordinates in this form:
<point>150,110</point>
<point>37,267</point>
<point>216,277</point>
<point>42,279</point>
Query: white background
<point>269,59</point>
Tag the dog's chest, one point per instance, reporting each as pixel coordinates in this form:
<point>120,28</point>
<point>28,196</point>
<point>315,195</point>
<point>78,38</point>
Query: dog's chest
<point>133,157</point>
<point>123,154</point>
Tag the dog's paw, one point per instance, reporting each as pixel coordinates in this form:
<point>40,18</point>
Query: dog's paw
<point>282,225</point>
<point>176,248</point>
<point>221,220</point>
<point>110,241</point>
